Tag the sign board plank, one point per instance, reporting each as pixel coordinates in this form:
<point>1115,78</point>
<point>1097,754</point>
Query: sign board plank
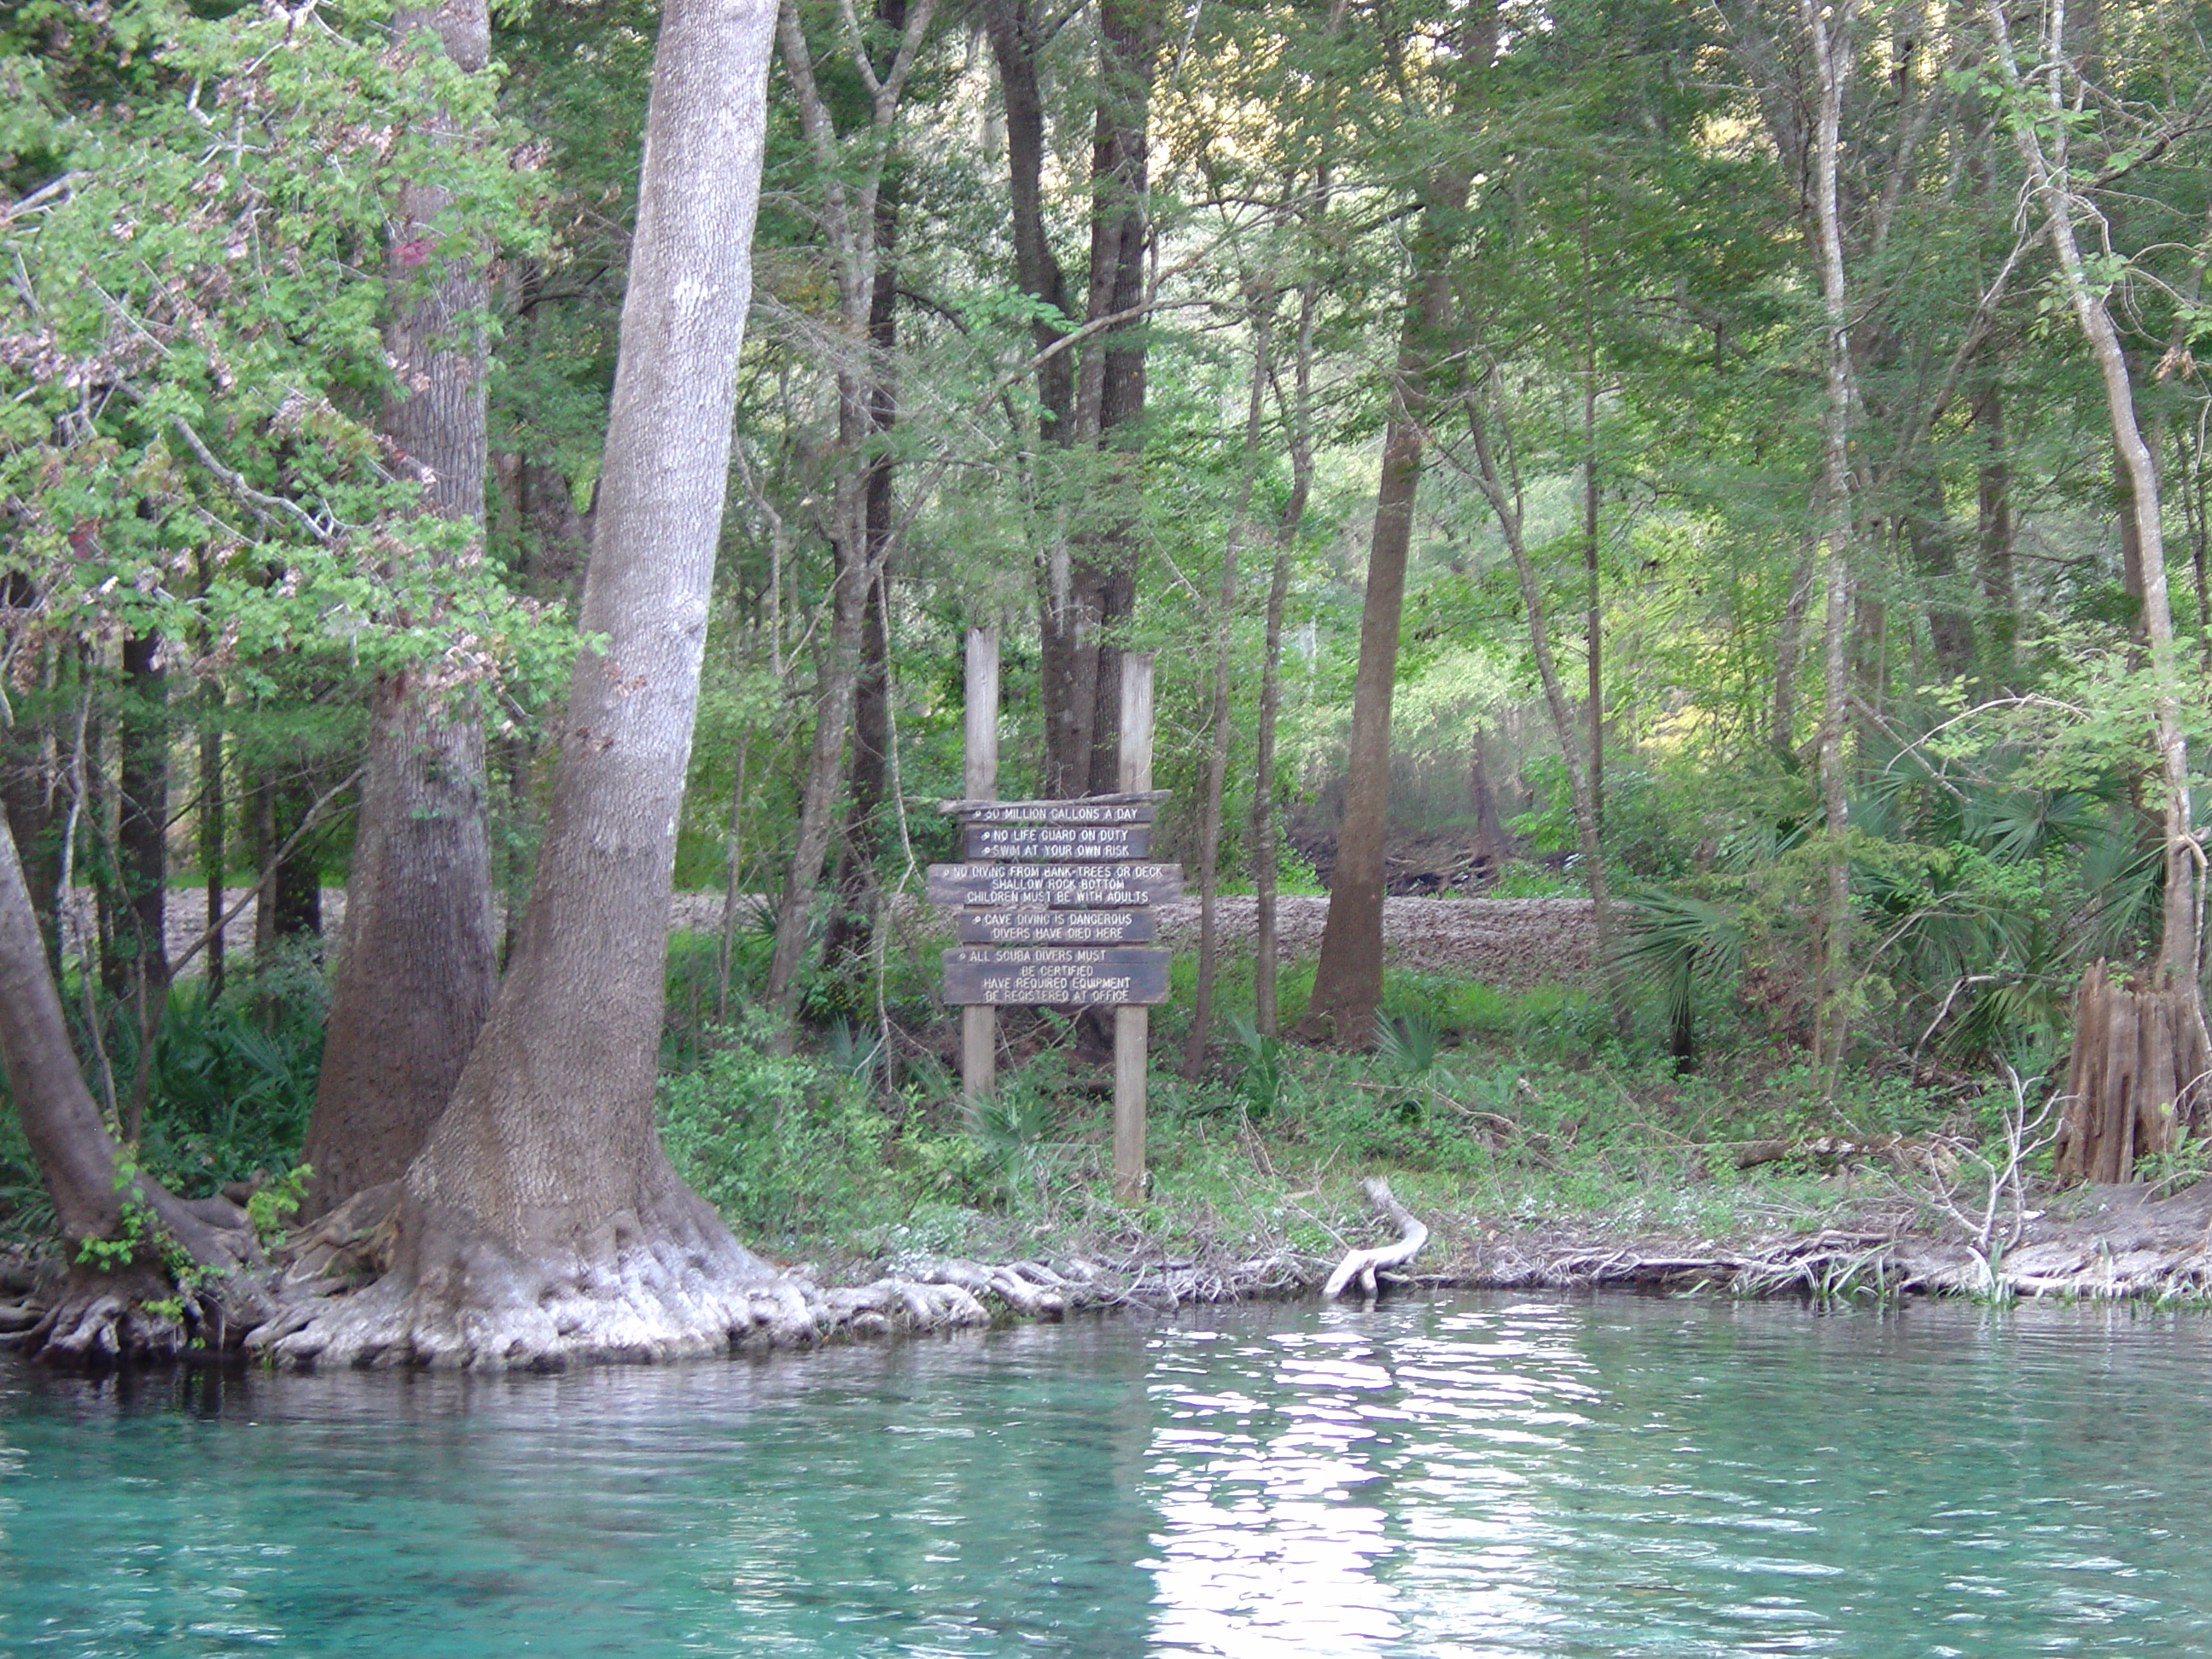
<point>1054,926</point>
<point>1053,887</point>
<point>1114,976</point>
<point>1110,809</point>
<point>1042,843</point>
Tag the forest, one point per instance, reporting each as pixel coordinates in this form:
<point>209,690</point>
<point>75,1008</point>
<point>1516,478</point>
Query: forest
<point>1735,472</point>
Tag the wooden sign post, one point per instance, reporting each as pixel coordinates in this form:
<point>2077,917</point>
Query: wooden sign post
<point>1132,1024</point>
<point>1054,905</point>
<point>979,1022</point>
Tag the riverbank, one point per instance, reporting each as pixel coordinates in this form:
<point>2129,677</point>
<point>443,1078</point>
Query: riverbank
<point>2086,1243</point>
<point>1537,1152</point>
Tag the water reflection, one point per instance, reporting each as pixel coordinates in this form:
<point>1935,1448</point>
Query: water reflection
<point>1477,1476</point>
<point>1672,1477</point>
<point>1350,1480</point>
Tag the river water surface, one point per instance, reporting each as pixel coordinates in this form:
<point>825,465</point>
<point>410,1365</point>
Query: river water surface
<point>1469,1476</point>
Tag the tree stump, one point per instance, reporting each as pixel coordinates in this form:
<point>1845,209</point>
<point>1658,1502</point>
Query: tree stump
<point>2142,1069</point>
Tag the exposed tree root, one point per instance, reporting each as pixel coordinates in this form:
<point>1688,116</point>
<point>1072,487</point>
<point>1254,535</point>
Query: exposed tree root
<point>1362,1266</point>
<point>344,1304</point>
<point>137,1315</point>
<point>197,1287</point>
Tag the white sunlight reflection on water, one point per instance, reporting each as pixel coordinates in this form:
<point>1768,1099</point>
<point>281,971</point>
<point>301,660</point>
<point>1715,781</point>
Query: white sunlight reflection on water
<point>1348,1518</point>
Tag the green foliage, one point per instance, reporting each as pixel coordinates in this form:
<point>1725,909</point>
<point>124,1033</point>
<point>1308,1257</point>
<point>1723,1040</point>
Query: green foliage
<point>140,1236</point>
<point>1521,878</point>
<point>780,1144</point>
<point>234,1079</point>
<point>1407,1044</point>
<point>270,1209</point>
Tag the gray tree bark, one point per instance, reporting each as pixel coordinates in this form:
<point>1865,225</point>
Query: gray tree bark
<point>101,1316</point>
<point>542,1223</point>
<point>417,964</point>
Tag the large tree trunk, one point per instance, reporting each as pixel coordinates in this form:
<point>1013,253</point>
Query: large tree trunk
<point>542,1223</point>
<point>101,1316</point>
<point>1091,586</point>
<point>1348,978</point>
<point>416,963</point>
<point>1017,42</point>
<point>2136,1075</point>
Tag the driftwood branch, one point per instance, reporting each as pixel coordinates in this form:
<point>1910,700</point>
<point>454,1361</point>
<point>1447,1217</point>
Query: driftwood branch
<point>1363,1265</point>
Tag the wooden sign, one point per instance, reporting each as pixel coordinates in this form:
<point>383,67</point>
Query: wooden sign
<point>1121,977</point>
<point>1042,842</point>
<point>1054,926</point>
<point>1053,887</point>
<point>1106,810</point>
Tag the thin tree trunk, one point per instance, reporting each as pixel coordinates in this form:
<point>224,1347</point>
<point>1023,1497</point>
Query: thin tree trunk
<point>418,959</point>
<point>99,1315</point>
<point>290,904</point>
<point>852,216</point>
<point>836,677</point>
<point>1594,596</point>
<point>1297,424</point>
<point>1934,557</point>
<point>733,881</point>
<point>1830,36</point>
<point>142,858</point>
<point>1265,848</point>
<point>1217,768</point>
<point>1017,43</point>
<point>1994,537</point>
<point>541,1223</point>
<point>214,851</point>
<point>1504,498</point>
<point>1789,657</point>
<point>214,808</point>
<point>2189,455</point>
<point>854,922</point>
<point>2049,177</point>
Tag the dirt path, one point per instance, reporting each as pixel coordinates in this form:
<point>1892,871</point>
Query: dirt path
<point>1505,942</point>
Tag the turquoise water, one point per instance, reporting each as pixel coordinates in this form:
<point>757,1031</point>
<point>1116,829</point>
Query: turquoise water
<point>1482,1475</point>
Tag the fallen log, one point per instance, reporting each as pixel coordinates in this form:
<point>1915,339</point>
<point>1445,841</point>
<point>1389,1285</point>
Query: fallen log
<point>1363,1265</point>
